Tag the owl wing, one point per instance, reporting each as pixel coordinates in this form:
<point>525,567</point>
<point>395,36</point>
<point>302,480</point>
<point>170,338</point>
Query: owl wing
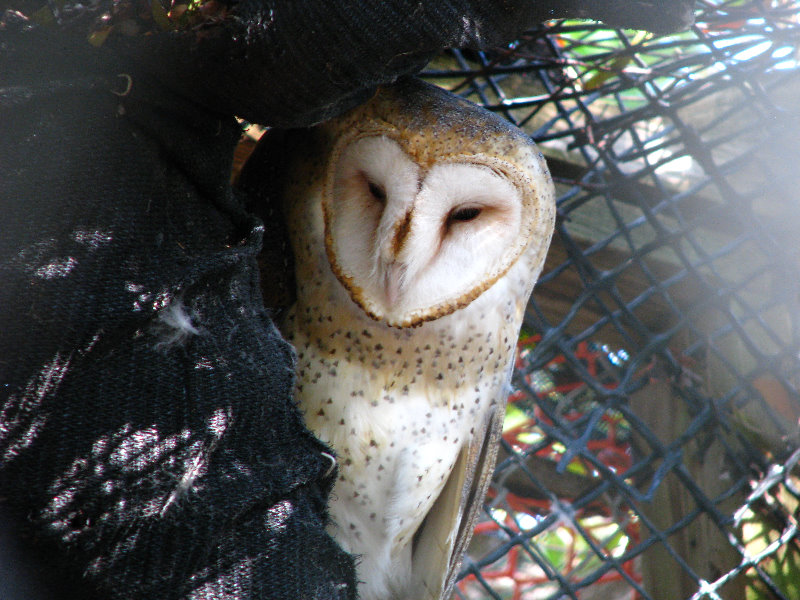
<point>442,539</point>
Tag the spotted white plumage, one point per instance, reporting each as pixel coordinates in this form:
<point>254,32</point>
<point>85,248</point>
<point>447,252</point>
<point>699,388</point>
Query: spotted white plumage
<point>419,224</point>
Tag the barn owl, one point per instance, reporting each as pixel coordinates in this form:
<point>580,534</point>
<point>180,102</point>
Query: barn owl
<point>418,223</point>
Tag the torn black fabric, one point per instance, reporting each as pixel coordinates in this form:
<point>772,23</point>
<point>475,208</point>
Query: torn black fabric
<point>148,437</point>
<point>292,64</point>
<point>287,64</point>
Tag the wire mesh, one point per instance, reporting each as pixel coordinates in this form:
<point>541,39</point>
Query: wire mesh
<point>651,445</point>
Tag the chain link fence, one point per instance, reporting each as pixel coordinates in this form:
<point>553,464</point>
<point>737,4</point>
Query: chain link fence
<point>651,444</point>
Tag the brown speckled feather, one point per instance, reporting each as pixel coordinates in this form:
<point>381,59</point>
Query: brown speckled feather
<point>445,534</point>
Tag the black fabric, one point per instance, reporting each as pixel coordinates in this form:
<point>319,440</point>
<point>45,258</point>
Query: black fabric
<point>149,447</point>
<point>163,462</point>
<point>332,54</point>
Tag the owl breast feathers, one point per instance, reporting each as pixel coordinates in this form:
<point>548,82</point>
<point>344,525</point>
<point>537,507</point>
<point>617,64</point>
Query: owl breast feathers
<point>418,223</point>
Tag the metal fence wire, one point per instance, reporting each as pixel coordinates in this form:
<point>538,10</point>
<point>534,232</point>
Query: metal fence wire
<point>651,445</point>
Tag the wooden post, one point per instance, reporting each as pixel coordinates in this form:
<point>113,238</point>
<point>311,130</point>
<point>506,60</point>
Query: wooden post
<point>700,543</point>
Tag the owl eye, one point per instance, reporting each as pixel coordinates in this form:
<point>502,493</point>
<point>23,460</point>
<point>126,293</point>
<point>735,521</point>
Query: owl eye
<point>377,191</point>
<point>463,214</point>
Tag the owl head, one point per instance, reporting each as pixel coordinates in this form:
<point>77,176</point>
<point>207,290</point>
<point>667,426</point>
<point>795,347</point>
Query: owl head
<point>423,201</point>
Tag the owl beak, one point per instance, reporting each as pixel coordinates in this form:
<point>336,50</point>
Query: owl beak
<point>393,278</point>
<point>395,273</point>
